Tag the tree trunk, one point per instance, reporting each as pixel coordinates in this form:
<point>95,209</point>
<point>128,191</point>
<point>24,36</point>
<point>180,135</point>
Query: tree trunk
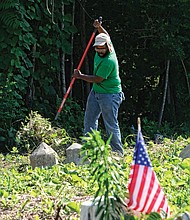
<point>85,85</point>
<point>72,45</point>
<point>64,89</point>
<point>165,93</point>
<point>186,75</point>
<point>30,97</point>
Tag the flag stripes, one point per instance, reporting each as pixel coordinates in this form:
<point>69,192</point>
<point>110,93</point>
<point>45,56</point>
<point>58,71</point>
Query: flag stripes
<point>145,192</point>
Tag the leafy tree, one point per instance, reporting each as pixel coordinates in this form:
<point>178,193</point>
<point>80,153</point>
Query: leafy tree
<point>38,54</point>
<point>146,35</point>
<point>30,45</point>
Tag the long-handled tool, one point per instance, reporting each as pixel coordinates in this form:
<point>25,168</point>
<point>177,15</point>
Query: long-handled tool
<point>78,68</point>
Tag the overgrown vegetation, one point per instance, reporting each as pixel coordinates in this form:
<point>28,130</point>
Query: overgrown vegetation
<point>36,129</point>
<point>107,174</point>
<point>37,59</point>
<point>42,41</point>
<point>31,47</point>
<point>59,191</point>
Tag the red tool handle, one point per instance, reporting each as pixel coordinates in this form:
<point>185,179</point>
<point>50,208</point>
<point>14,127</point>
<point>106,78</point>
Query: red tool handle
<point>73,79</point>
<point>78,68</point>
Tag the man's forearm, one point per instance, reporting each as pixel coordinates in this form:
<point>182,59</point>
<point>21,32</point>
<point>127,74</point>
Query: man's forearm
<point>90,78</point>
<point>98,26</point>
<point>102,30</point>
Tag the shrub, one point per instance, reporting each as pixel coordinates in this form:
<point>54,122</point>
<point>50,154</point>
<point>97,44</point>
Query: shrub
<point>37,129</point>
<point>11,111</point>
<point>71,118</point>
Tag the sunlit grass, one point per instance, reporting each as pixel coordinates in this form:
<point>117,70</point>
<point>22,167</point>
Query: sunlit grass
<point>49,192</point>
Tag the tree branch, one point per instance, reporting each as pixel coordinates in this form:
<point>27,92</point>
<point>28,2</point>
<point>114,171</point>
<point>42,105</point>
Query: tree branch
<point>165,92</point>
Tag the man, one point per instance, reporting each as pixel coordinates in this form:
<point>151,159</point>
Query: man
<point>106,94</point>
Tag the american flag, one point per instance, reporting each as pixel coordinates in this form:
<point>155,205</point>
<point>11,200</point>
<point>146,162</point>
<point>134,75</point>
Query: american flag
<point>145,193</point>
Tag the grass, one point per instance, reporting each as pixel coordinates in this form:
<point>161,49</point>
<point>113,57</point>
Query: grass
<point>57,192</point>
<point>39,193</point>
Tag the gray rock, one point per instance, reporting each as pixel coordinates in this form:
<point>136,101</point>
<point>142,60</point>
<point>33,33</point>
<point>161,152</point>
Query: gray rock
<point>185,153</point>
<point>43,156</point>
<point>158,139</point>
<point>184,216</point>
<point>73,154</point>
<point>89,210</point>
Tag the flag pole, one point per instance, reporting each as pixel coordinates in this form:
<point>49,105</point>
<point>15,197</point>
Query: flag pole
<point>145,192</point>
<point>139,123</point>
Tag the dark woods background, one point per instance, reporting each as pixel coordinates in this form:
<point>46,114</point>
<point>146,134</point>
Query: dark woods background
<point>41,42</point>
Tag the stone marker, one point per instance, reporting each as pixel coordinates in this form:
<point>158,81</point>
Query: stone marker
<point>185,153</point>
<point>184,216</point>
<point>88,211</point>
<point>73,154</point>
<point>89,208</point>
<point>158,139</point>
<point>43,156</point>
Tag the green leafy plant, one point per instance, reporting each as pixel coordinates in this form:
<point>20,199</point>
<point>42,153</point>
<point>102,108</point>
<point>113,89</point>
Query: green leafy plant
<point>106,173</point>
<point>58,192</point>
<point>151,129</point>
<point>31,73</point>
<point>37,129</point>
<point>71,118</point>
<point>10,112</point>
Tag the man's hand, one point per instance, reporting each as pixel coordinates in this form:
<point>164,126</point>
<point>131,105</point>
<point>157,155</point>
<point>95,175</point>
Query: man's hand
<point>77,74</point>
<point>88,78</point>
<point>97,23</point>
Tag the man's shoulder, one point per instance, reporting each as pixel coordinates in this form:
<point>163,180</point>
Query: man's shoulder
<point>112,57</point>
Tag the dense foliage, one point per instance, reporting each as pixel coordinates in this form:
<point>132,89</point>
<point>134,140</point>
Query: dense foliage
<point>38,54</point>
<point>35,130</point>
<point>31,49</point>
<point>57,192</point>
<point>40,43</point>
<point>146,35</point>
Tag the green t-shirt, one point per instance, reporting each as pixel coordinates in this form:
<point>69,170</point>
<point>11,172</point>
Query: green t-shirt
<point>107,68</point>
